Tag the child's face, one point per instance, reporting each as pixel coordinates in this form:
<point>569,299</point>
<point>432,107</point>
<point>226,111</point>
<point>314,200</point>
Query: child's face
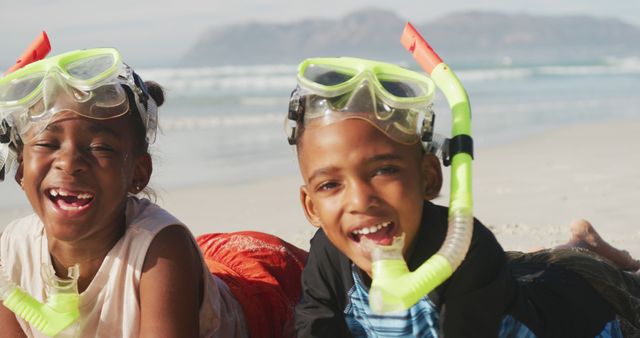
<point>77,172</point>
<point>359,182</point>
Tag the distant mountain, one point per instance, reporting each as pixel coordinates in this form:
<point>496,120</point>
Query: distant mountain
<point>462,38</point>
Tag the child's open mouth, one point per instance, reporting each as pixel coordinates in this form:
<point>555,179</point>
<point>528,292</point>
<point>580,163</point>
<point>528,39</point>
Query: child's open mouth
<point>381,234</point>
<point>70,200</point>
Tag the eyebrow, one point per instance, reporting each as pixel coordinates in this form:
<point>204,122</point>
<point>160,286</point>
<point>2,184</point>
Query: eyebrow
<point>384,157</point>
<point>377,158</point>
<point>322,171</point>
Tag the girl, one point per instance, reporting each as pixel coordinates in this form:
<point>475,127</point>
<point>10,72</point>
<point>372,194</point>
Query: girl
<point>80,124</point>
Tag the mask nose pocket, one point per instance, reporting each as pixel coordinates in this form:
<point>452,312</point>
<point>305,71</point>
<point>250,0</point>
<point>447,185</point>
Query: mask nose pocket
<point>56,92</point>
<point>363,98</point>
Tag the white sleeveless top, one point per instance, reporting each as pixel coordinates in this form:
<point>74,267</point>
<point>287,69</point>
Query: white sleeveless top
<point>110,306</point>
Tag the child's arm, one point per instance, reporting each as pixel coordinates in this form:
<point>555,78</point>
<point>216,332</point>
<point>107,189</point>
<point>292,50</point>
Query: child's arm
<point>171,286</point>
<point>9,324</point>
<point>320,310</point>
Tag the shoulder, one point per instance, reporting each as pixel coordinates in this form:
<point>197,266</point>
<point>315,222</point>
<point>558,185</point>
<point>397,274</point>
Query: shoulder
<point>484,248</point>
<point>172,259</point>
<point>24,226</point>
<point>484,266</point>
<point>167,237</point>
<point>21,232</point>
<point>19,249</point>
<point>145,215</point>
<point>485,259</point>
<point>173,242</point>
<point>150,227</point>
<point>479,292</point>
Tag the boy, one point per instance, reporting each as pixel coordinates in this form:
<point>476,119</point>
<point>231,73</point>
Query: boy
<point>357,133</point>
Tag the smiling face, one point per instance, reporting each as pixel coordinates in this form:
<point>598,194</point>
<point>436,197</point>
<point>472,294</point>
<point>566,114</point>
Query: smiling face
<point>359,182</point>
<point>77,173</point>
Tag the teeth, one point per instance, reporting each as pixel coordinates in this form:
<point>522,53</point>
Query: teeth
<point>56,192</point>
<point>69,207</point>
<point>371,229</point>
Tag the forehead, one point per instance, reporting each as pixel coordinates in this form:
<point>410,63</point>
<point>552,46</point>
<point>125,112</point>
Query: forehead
<point>349,140</point>
<point>68,121</point>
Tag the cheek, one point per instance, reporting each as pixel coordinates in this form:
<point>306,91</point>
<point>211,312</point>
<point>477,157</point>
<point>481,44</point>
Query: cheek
<point>328,210</point>
<point>32,176</point>
<point>328,213</point>
<point>32,168</point>
<point>118,171</point>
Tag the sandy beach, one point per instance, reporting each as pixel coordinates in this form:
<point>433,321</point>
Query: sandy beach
<point>527,192</point>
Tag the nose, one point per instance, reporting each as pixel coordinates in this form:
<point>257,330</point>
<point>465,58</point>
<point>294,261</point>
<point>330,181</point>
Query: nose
<point>360,196</point>
<point>70,160</point>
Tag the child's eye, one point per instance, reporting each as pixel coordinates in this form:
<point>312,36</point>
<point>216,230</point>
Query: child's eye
<point>45,145</point>
<point>327,186</point>
<point>386,170</point>
<point>101,148</point>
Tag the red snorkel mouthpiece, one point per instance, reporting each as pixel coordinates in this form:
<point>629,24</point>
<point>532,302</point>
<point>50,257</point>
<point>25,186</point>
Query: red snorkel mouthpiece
<point>38,49</point>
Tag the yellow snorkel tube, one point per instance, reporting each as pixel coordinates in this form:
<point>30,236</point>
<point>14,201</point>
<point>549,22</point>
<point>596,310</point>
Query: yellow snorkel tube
<point>393,286</point>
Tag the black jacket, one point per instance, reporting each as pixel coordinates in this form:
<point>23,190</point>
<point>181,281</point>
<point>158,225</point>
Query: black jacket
<point>472,301</point>
<point>549,298</point>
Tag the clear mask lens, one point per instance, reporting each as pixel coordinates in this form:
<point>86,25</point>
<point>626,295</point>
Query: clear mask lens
<point>18,89</point>
<point>367,103</point>
<point>93,83</point>
<point>106,101</point>
<point>328,76</point>
<point>90,68</point>
<point>393,99</point>
<point>402,88</point>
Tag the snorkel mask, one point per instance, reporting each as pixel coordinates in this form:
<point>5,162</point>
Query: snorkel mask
<point>395,100</point>
<point>93,83</point>
<point>398,102</point>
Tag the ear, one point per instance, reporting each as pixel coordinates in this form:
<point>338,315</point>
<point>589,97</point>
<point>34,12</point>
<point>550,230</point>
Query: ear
<point>142,170</point>
<point>432,176</point>
<point>19,171</point>
<point>309,207</point>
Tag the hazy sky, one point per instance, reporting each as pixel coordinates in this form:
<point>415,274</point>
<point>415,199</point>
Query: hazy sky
<point>150,33</point>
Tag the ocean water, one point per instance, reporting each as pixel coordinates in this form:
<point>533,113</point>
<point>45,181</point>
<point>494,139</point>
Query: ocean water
<point>226,124</point>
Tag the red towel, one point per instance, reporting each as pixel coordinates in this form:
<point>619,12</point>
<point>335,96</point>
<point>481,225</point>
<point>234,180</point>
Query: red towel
<point>263,273</point>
